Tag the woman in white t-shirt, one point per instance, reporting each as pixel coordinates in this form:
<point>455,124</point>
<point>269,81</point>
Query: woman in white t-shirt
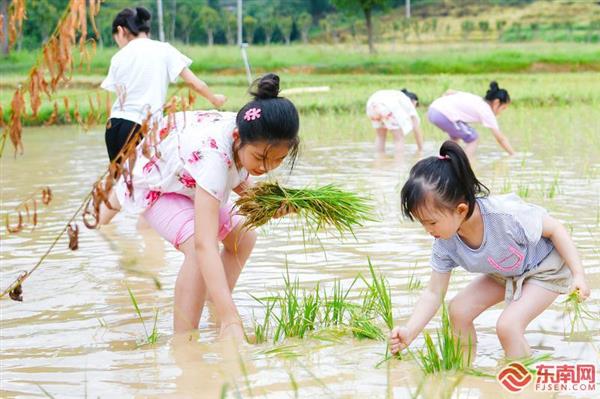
<point>140,73</point>
<point>394,111</point>
<point>183,189</point>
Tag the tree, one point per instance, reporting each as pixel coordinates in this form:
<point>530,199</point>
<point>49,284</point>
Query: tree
<point>229,22</point>
<point>286,24</point>
<point>304,22</point>
<point>209,18</point>
<point>467,27</point>
<point>366,6</point>
<point>187,19</point>
<point>249,27</point>
<point>484,27</point>
<point>405,28</point>
<point>268,24</point>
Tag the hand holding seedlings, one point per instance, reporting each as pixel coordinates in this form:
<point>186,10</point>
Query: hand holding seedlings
<point>581,287</point>
<point>400,338</point>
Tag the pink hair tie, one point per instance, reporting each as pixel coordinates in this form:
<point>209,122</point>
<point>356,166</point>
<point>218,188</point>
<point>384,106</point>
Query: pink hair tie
<point>252,114</point>
<point>443,157</point>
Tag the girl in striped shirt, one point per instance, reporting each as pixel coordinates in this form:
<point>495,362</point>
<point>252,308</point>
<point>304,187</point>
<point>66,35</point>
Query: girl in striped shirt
<point>524,256</point>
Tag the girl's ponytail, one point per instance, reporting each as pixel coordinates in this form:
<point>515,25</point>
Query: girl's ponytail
<point>446,179</point>
<point>467,181</point>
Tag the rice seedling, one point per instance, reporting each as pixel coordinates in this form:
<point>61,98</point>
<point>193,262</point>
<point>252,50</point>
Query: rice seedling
<point>336,305</point>
<point>294,384</point>
<point>506,187</point>
<point>245,374</point>
<point>446,353</point>
<point>414,283</point>
<point>523,190</point>
<point>577,313</point>
<point>362,327</point>
<point>151,338</point>
<point>317,207</point>
<point>379,289</point>
<point>261,331</point>
<point>284,351</point>
<point>553,190</point>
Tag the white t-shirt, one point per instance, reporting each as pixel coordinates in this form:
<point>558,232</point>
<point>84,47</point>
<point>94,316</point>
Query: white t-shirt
<point>197,151</point>
<point>140,74</point>
<point>393,109</point>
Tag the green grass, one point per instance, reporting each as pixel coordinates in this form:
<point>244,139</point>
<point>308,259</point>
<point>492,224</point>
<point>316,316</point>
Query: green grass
<point>452,58</point>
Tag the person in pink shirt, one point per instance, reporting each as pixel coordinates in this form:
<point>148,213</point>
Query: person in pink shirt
<point>455,110</point>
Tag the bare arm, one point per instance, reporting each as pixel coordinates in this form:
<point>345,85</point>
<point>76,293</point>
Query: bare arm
<point>418,132</point>
<point>428,304</point>
<point>202,88</point>
<point>503,141</point>
<point>557,233</point>
<point>206,209</point>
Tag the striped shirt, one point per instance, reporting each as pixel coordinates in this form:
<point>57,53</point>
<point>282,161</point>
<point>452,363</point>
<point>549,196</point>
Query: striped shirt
<point>512,240</point>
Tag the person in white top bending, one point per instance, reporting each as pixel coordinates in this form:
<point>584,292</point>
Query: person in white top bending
<point>139,74</point>
<point>394,111</point>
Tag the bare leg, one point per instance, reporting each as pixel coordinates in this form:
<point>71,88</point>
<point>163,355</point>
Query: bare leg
<point>516,317</point>
<point>380,134</point>
<point>467,305</point>
<point>190,288</point>
<point>106,214</point>
<point>237,247</point>
<point>398,143</point>
<point>190,291</point>
<point>471,147</point>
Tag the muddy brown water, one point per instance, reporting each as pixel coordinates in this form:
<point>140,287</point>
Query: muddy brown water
<point>76,333</point>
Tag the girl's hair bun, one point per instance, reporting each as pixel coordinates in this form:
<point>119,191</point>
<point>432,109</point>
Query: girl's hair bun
<point>494,86</point>
<point>266,87</point>
<point>142,14</point>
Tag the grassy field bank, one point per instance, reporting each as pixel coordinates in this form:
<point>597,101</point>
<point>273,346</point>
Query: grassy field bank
<point>348,58</point>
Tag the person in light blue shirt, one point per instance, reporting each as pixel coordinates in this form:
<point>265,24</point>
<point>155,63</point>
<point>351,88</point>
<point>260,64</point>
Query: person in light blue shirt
<point>525,257</point>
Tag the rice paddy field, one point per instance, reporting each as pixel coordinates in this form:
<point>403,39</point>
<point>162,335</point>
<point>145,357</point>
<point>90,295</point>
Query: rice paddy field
<point>97,322</point>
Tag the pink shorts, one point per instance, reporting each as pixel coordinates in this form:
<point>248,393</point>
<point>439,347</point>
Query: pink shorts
<point>172,216</point>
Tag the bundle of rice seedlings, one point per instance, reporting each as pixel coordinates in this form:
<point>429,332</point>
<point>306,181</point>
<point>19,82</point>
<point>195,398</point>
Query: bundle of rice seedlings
<point>318,207</point>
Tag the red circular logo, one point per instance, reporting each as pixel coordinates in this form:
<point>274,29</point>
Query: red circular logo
<point>514,377</point>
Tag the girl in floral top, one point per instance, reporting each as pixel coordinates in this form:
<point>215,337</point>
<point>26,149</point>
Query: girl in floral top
<point>203,157</point>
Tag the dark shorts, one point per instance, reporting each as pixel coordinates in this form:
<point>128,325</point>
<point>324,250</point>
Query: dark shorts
<point>456,130</point>
<point>118,133</point>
